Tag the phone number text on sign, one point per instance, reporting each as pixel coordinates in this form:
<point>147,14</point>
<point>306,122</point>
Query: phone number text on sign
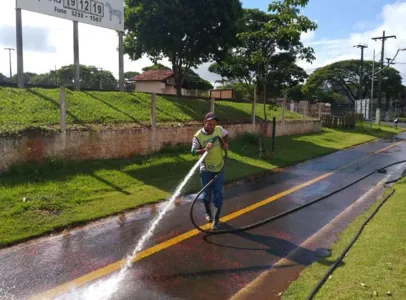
<point>78,7</point>
<point>102,13</point>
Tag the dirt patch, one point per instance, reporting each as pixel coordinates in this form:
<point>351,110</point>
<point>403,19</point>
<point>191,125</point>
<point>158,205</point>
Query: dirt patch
<point>48,212</point>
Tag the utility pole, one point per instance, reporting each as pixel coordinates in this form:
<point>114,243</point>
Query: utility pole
<point>383,38</point>
<point>19,44</point>
<point>361,77</point>
<point>372,87</point>
<point>9,55</point>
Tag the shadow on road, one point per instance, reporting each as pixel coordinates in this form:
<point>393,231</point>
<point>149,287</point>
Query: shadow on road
<point>275,247</point>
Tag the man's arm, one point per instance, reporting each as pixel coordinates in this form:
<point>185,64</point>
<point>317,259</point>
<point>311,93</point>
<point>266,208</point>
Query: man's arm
<point>196,147</point>
<point>226,138</point>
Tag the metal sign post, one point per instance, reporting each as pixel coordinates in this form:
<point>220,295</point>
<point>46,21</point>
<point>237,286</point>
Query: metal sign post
<point>76,65</point>
<point>20,60</point>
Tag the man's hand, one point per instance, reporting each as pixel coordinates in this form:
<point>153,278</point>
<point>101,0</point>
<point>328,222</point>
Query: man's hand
<point>207,148</point>
<point>226,140</point>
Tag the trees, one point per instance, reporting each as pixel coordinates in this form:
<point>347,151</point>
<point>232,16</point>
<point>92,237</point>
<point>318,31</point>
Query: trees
<point>91,78</point>
<point>342,77</point>
<point>238,65</point>
<point>26,75</point>
<point>269,45</point>
<point>130,74</point>
<point>195,82</point>
<point>188,33</point>
<point>276,45</point>
<point>3,78</point>
<point>156,67</point>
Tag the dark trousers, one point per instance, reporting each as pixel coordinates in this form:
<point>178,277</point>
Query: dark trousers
<point>215,190</point>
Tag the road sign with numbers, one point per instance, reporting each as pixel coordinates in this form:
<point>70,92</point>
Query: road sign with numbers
<point>103,13</point>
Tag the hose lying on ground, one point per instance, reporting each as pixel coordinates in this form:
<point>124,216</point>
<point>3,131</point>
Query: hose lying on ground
<point>283,214</point>
<point>354,239</point>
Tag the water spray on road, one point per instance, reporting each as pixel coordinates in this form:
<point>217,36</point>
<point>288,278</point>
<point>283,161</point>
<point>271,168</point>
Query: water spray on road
<point>104,289</point>
<point>162,213</point>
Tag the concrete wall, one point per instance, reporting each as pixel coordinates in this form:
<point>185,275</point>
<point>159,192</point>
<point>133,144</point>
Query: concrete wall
<point>150,86</point>
<point>120,143</point>
<point>156,87</point>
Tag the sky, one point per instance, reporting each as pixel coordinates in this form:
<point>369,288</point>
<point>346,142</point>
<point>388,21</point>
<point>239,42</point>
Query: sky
<point>342,24</point>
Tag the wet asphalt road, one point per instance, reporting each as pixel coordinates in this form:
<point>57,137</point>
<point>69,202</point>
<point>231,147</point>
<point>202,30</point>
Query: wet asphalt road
<point>196,268</point>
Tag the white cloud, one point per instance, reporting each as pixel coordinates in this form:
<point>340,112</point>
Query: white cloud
<point>393,21</point>
<point>306,37</point>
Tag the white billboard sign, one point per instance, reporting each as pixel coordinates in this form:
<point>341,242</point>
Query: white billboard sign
<point>103,13</point>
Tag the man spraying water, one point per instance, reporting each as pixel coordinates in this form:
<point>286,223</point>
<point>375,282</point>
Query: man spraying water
<point>212,139</point>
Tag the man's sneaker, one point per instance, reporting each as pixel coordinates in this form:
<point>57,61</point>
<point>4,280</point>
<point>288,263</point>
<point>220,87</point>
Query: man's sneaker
<point>209,218</point>
<point>214,225</point>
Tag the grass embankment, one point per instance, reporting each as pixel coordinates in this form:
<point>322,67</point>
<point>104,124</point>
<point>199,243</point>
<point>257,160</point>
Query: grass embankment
<point>376,264</point>
<point>37,199</point>
<point>39,108</point>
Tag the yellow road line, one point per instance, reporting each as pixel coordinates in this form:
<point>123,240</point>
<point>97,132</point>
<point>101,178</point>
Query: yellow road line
<point>389,147</point>
<point>176,240</point>
<point>288,261</point>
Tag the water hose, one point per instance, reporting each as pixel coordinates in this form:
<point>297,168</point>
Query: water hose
<point>381,170</point>
<point>354,239</point>
<point>283,214</point>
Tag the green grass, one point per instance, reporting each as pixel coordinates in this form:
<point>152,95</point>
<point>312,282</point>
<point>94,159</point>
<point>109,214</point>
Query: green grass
<point>35,199</point>
<point>377,259</point>
<point>39,108</point>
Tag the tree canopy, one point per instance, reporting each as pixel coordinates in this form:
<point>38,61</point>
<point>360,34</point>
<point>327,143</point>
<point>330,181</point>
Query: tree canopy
<point>3,78</point>
<point>186,32</point>
<point>156,67</point>
<point>130,74</point>
<point>268,46</point>
<point>343,77</point>
<point>91,78</point>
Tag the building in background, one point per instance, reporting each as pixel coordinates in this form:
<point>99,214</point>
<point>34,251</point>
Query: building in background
<point>158,82</point>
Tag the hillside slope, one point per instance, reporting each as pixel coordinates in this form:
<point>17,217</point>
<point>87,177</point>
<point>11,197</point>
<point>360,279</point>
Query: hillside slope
<point>33,108</point>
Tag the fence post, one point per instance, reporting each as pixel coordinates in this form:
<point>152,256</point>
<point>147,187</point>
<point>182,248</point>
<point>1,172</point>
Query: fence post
<point>307,108</point>
<point>320,105</point>
<point>284,103</point>
<point>273,133</point>
<point>62,109</point>
<point>254,105</point>
<point>212,104</point>
<point>153,120</point>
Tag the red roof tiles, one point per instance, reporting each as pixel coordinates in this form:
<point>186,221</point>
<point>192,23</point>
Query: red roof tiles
<point>153,75</point>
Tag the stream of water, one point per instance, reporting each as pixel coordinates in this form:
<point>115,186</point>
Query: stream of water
<point>104,289</point>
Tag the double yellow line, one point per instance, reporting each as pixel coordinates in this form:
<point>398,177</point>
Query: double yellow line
<point>63,288</point>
